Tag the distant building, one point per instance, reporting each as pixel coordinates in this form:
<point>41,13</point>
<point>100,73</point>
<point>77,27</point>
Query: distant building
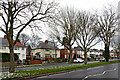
<point>19,48</point>
<point>65,53</point>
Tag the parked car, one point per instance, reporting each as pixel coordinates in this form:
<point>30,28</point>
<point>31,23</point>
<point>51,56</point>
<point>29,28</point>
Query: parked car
<point>102,59</point>
<point>78,60</point>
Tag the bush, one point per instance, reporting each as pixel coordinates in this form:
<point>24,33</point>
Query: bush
<point>58,60</point>
<point>6,57</point>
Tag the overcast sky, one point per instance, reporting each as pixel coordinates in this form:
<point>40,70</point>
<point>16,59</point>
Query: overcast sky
<point>84,5</point>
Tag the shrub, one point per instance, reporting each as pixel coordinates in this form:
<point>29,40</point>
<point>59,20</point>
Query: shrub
<point>58,60</point>
<point>6,57</point>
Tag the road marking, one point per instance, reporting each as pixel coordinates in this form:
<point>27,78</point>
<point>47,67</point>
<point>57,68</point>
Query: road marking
<point>74,71</point>
<point>95,67</point>
<point>99,74</point>
<point>114,64</point>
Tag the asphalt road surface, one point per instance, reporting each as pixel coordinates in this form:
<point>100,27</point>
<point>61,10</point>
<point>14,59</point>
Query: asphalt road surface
<point>106,72</point>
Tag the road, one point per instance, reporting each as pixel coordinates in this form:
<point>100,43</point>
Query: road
<point>106,72</point>
<point>48,65</point>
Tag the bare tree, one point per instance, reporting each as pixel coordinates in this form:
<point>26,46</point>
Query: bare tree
<point>24,38</point>
<point>64,26</point>
<point>34,41</point>
<point>87,35</point>
<point>108,23</point>
<point>19,14</point>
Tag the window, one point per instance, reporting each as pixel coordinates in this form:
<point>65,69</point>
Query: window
<point>47,49</point>
<point>47,55</point>
<point>65,56</point>
<point>16,48</point>
<point>23,55</point>
<point>53,50</point>
<point>2,47</point>
<point>73,51</point>
<point>22,48</point>
<point>54,55</point>
<point>68,51</point>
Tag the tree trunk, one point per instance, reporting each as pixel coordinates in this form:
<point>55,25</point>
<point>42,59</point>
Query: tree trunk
<point>85,57</point>
<point>70,59</point>
<point>11,69</point>
<point>107,53</point>
<point>117,55</point>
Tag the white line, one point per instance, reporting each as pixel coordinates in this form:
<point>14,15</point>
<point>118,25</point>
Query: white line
<point>99,74</point>
<point>95,67</point>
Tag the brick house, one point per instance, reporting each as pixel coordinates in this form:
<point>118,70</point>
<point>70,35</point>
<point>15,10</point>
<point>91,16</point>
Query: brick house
<point>65,53</point>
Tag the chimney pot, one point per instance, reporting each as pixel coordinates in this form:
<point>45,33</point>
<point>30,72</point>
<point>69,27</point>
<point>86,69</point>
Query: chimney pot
<point>46,41</point>
<point>5,36</point>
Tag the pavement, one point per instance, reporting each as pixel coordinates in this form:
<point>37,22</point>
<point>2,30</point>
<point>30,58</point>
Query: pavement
<point>106,72</point>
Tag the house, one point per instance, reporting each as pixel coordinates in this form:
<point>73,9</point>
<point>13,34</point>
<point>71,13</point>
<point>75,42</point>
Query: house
<point>28,53</point>
<point>45,51</point>
<point>92,52</point>
<point>65,54</point>
<point>80,52</point>
<point>114,54</point>
<point>19,48</point>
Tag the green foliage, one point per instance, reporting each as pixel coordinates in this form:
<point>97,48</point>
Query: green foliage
<point>6,57</point>
<point>92,57</point>
<point>58,60</point>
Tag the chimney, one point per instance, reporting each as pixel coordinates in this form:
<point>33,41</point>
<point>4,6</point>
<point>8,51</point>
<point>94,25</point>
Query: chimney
<point>5,36</point>
<point>75,47</point>
<point>46,41</point>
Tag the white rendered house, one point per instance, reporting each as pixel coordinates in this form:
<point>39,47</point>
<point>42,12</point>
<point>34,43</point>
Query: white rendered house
<point>19,48</point>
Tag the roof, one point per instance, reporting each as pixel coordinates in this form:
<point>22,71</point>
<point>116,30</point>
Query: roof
<point>4,42</point>
<point>19,44</point>
<point>49,45</point>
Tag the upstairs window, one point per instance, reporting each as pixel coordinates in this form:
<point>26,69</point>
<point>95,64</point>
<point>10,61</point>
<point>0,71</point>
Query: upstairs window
<point>16,48</point>
<point>2,47</point>
<point>47,49</point>
<point>22,48</point>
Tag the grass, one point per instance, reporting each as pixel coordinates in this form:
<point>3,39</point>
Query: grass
<point>40,71</point>
<point>20,66</point>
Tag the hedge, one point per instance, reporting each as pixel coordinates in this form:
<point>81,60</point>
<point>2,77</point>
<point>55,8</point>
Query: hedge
<point>6,57</point>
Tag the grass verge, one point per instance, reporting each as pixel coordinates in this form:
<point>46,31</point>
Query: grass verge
<point>35,72</point>
<point>21,66</point>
